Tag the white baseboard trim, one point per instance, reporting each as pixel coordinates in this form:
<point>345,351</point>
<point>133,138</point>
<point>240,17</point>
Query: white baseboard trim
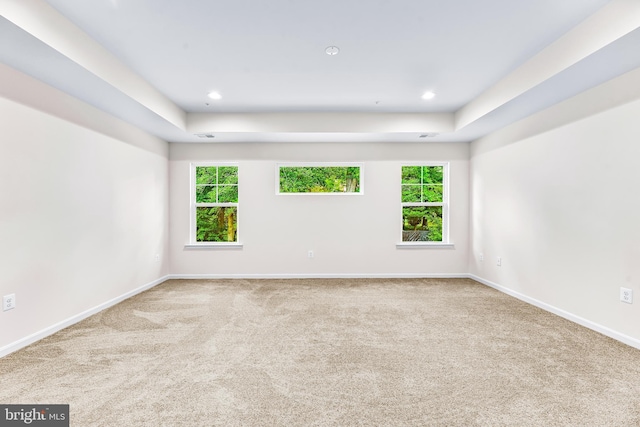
<point>21,343</point>
<point>633,342</point>
<point>323,276</point>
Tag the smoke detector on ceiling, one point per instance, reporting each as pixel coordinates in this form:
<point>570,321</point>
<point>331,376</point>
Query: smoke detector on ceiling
<point>332,50</point>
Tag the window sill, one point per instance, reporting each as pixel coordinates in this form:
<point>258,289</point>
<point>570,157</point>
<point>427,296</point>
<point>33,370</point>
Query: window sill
<point>189,246</point>
<point>424,245</point>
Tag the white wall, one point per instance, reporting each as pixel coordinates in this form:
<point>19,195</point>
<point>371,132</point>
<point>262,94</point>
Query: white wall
<point>350,235</point>
<point>561,207</point>
<point>82,213</point>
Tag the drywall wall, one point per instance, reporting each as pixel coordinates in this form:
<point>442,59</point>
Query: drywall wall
<point>560,207</point>
<point>83,213</point>
<point>350,235</point>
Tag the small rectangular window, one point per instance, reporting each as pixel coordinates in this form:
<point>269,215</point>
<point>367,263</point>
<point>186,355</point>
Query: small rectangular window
<point>424,203</point>
<point>333,179</point>
<point>215,203</point>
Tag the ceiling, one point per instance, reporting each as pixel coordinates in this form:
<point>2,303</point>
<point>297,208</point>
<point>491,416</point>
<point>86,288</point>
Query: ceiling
<point>153,62</point>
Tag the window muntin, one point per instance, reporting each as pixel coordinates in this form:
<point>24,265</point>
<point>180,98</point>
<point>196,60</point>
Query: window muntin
<point>215,204</point>
<point>320,179</point>
<point>424,203</point>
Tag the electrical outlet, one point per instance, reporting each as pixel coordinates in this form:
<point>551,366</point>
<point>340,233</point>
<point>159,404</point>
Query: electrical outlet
<point>481,257</point>
<point>499,262</point>
<point>8,302</point>
<point>157,257</point>
<point>626,295</point>
<point>310,254</point>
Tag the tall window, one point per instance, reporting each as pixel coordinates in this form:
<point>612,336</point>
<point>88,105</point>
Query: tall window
<point>425,203</point>
<point>328,178</point>
<point>214,203</point>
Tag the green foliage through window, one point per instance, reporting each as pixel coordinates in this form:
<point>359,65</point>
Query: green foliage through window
<point>319,179</point>
<point>423,199</point>
<point>216,201</point>
<point>216,184</point>
<point>422,224</point>
<point>216,224</point>
<point>422,184</point>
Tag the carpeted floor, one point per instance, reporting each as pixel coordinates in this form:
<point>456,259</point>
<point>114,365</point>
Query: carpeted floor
<point>385,352</point>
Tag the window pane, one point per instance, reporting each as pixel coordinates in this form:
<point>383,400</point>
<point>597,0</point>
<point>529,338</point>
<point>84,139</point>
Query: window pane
<point>319,179</point>
<point>422,224</point>
<point>411,174</point>
<point>432,193</point>
<point>432,174</point>
<point>216,224</point>
<point>206,194</point>
<point>411,194</point>
<point>354,172</point>
<point>206,175</point>
<point>227,194</point>
<point>228,175</point>
<point>352,180</point>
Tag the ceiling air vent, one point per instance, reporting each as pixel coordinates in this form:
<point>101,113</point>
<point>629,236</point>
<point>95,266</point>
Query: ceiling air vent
<point>429,135</point>
<point>205,135</point>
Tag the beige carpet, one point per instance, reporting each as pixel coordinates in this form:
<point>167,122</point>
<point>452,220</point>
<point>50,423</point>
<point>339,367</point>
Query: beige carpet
<point>385,352</point>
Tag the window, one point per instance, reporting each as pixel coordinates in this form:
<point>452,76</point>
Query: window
<point>214,204</point>
<point>334,179</point>
<point>425,203</point>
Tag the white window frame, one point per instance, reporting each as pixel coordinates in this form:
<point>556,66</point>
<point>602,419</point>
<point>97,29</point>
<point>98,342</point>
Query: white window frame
<point>320,164</point>
<point>193,244</point>
<point>445,243</point>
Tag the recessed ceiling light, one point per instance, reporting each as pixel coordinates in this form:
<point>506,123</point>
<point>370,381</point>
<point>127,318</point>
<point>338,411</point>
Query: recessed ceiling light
<point>428,95</point>
<point>214,95</point>
<point>332,50</point>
